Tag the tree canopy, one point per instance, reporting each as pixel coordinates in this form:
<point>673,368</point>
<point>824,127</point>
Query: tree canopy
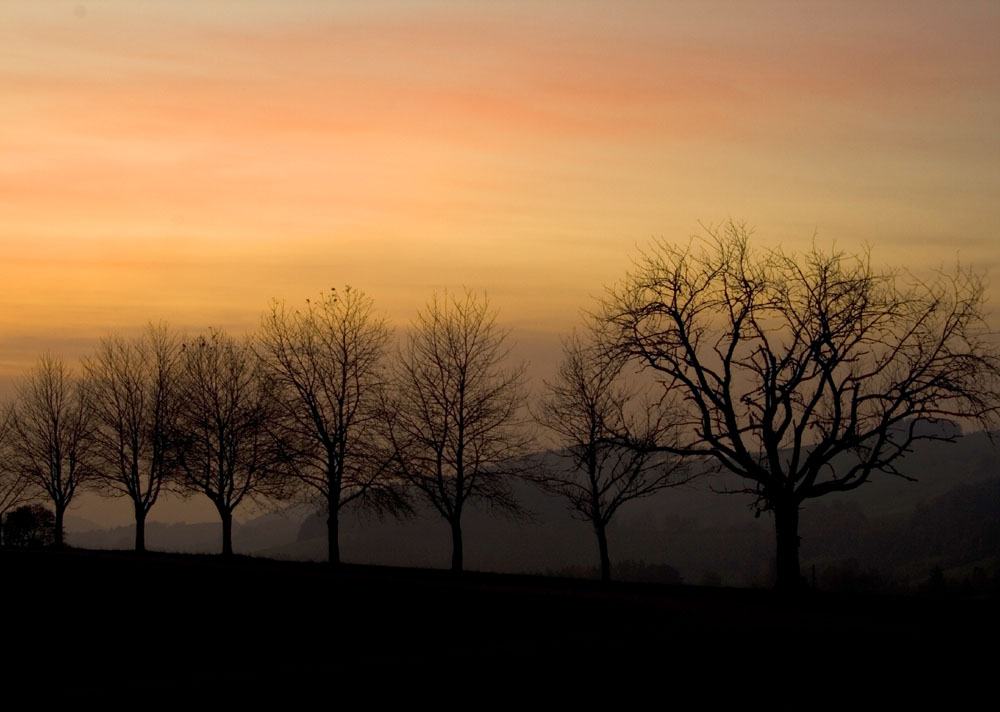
<point>608,436</point>
<point>453,417</point>
<point>327,363</point>
<point>804,374</point>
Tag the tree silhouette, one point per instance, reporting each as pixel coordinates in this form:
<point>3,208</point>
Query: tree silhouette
<point>133,393</point>
<point>51,434</point>
<point>30,525</point>
<point>610,436</point>
<point>452,419</point>
<point>224,439</point>
<point>327,361</point>
<point>803,374</point>
<point>14,486</point>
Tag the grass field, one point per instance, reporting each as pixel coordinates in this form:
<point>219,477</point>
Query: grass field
<point>84,624</point>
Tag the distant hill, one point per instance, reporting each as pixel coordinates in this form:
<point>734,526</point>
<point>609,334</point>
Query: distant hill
<point>194,538</point>
<point>891,527</point>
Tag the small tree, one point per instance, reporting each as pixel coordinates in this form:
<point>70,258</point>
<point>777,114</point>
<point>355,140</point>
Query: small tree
<point>133,394</point>
<point>610,437</point>
<point>31,526</point>
<point>223,437</point>
<point>804,374</point>
<point>327,362</point>
<point>452,420</point>
<point>14,486</point>
<point>52,435</point>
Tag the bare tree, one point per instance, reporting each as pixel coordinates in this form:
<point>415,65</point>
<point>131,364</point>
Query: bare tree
<point>804,374</point>
<point>224,437</point>
<point>453,418</point>
<point>133,394</point>
<point>52,435</point>
<point>611,437</point>
<point>327,361</point>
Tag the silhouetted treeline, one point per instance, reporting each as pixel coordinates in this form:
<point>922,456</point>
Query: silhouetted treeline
<point>797,377</point>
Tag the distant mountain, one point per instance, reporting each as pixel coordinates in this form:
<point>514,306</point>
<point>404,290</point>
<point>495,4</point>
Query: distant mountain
<point>73,523</point>
<point>268,530</point>
<point>181,537</point>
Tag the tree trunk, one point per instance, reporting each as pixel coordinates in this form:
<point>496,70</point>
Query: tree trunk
<point>58,533</point>
<point>456,545</point>
<point>786,529</point>
<point>602,545</point>
<point>227,532</point>
<point>140,528</point>
<point>333,536</point>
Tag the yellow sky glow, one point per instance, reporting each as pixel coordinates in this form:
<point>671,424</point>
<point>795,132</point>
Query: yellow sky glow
<point>189,161</point>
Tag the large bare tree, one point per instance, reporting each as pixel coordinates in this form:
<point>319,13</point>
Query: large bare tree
<point>52,435</point>
<point>610,435</point>
<point>327,360</point>
<point>133,394</point>
<point>224,435</point>
<point>454,417</point>
<point>804,374</point>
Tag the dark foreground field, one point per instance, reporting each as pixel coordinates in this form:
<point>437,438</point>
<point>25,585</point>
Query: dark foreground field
<point>81,623</point>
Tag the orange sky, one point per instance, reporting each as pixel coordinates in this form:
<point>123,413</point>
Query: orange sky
<point>189,161</point>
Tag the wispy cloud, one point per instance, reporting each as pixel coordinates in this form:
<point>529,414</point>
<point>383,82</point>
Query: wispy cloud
<point>148,145</point>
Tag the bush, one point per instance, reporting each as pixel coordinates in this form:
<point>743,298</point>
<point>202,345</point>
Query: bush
<point>31,526</point>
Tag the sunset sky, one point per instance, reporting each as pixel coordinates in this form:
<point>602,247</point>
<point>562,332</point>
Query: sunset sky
<point>189,161</point>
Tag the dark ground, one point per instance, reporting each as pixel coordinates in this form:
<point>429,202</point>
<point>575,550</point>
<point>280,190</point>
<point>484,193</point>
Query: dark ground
<point>85,624</point>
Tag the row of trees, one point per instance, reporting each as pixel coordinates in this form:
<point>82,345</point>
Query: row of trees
<point>801,374</point>
<point>312,406</point>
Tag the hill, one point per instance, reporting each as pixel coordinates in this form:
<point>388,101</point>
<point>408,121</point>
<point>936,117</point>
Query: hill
<point>93,625</point>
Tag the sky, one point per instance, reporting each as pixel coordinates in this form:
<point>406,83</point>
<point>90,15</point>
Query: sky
<point>189,161</point>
